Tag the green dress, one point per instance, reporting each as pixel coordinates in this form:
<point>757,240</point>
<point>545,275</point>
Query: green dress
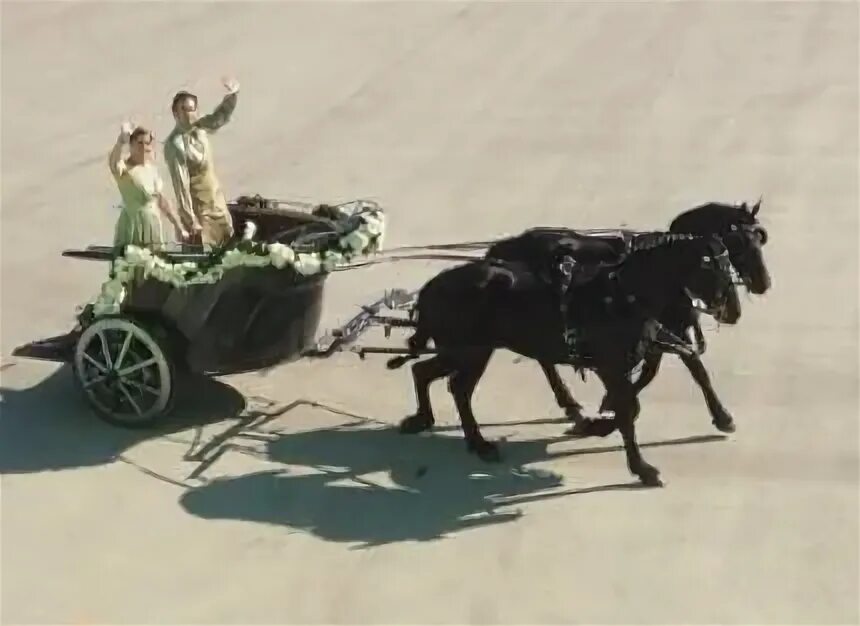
<point>141,222</point>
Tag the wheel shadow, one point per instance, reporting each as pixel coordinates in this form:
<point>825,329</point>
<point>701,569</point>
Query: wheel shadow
<point>49,426</point>
<point>375,486</point>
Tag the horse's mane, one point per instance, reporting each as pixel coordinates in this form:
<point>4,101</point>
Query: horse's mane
<point>652,241</point>
<point>711,216</point>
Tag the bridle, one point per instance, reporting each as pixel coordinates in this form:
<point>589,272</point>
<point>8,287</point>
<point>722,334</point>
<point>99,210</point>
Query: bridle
<point>722,263</point>
<point>748,234</point>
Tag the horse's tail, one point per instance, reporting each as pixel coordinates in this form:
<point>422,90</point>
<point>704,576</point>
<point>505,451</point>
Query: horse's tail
<point>493,276</point>
<point>417,342</point>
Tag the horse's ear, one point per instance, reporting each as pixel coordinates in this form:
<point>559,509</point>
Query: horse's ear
<point>756,207</point>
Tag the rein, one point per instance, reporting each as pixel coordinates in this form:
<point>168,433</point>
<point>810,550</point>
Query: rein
<point>391,256</point>
<point>412,257</point>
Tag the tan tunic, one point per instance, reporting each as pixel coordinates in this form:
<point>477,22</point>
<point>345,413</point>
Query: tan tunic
<point>189,157</point>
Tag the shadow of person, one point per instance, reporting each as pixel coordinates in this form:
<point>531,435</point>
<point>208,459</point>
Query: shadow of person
<point>50,426</point>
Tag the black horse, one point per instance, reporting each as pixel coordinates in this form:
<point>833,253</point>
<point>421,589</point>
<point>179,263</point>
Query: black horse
<point>736,225</point>
<point>607,325</point>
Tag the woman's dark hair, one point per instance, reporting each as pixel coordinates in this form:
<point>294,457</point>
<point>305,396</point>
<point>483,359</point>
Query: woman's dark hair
<point>180,96</point>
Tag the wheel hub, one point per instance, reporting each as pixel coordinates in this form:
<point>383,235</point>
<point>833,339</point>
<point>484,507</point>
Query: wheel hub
<point>112,377</point>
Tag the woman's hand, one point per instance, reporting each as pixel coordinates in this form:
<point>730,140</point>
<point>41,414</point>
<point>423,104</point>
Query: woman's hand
<point>115,161</point>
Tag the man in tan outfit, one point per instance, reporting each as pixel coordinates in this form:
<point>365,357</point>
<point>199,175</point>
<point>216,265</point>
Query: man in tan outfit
<point>188,153</point>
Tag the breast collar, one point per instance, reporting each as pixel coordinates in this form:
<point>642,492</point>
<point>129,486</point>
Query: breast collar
<point>659,335</point>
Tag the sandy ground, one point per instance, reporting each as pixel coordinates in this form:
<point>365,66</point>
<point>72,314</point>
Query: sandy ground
<point>463,121</point>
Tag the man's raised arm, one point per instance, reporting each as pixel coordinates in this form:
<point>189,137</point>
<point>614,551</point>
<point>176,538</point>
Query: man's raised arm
<point>224,111</point>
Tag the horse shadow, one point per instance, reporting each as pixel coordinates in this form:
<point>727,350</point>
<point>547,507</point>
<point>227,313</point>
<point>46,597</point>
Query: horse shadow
<point>374,486</point>
<point>361,482</point>
<point>50,427</point>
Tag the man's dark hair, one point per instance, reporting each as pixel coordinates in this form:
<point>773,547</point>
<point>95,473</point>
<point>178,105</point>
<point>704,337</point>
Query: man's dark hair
<point>180,96</point>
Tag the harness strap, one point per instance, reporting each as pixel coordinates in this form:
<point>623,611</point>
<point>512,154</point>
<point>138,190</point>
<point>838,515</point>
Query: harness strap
<point>663,336</point>
<point>699,337</point>
<point>672,342</point>
<point>566,268</point>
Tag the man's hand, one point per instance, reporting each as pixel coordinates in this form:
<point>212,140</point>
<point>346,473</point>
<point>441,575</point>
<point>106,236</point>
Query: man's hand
<point>125,130</point>
<point>231,85</point>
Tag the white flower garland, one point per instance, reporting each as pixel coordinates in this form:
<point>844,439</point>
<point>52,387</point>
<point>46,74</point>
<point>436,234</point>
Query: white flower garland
<point>365,239</point>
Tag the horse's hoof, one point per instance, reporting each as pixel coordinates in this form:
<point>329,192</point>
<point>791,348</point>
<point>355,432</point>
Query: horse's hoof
<point>725,425</point>
<point>651,478</point>
<point>486,451</point>
<point>603,427</point>
<point>580,429</point>
<point>590,427</point>
<point>490,453</point>
<point>415,424</point>
<point>573,413</point>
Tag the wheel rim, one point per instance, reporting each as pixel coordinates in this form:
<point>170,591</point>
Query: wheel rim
<point>123,371</point>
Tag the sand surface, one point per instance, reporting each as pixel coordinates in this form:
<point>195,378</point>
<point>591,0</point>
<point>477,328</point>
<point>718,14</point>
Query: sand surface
<point>464,121</point>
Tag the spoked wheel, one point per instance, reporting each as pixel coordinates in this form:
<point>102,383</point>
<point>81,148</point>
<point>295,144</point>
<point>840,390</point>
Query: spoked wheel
<point>125,372</point>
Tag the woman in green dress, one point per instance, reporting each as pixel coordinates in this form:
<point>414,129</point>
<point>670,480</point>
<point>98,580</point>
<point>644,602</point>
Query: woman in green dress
<point>143,201</point>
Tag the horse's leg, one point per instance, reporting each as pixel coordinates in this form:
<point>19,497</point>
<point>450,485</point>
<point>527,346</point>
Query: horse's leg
<point>626,406</point>
<point>562,394</point>
<point>424,373</point>
<point>650,368</point>
<point>720,417</point>
<point>468,371</point>
<point>596,427</point>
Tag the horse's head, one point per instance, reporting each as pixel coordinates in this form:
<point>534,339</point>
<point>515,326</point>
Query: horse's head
<point>742,233</point>
<point>710,280</point>
<point>664,266</point>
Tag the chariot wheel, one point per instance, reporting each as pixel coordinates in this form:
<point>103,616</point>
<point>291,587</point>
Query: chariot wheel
<point>125,372</point>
